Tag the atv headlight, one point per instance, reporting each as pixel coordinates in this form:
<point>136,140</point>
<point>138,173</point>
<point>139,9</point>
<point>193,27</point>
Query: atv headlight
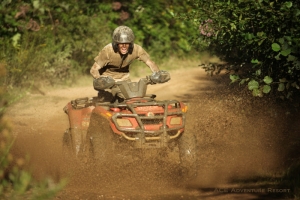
<point>150,114</point>
<point>124,122</point>
<point>184,108</point>
<point>176,121</point>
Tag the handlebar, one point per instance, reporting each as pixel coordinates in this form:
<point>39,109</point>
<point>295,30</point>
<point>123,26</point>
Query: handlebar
<point>108,82</point>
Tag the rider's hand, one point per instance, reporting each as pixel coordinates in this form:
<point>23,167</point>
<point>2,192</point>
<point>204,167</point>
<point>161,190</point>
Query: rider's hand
<point>160,77</point>
<point>103,82</point>
<point>148,78</point>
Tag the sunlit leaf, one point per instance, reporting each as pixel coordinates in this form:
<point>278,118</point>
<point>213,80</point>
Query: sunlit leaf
<point>278,29</point>
<point>234,78</point>
<point>233,27</point>
<point>276,47</point>
<point>242,81</point>
<point>266,89</point>
<point>260,34</point>
<point>281,87</point>
<point>258,72</point>
<point>42,10</point>
<point>257,93</point>
<point>268,80</point>
<point>254,61</point>
<point>253,85</point>
<point>249,36</point>
<point>36,4</point>
<point>286,52</point>
<point>15,39</point>
<point>288,4</point>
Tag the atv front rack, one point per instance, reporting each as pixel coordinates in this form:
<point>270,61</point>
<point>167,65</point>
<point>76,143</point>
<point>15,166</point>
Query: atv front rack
<point>82,102</point>
<point>141,135</point>
<point>154,138</point>
<point>139,118</point>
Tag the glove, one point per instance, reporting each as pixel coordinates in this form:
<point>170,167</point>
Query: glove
<point>102,83</point>
<point>160,77</point>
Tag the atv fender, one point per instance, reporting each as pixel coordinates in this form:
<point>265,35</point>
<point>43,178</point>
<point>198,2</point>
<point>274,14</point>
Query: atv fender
<point>102,111</point>
<point>79,120</point>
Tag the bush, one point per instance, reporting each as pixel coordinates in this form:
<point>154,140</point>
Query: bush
<point>157,29</point>
<point>54,41</point>
<point>51,41</point>
<point>264,33</point>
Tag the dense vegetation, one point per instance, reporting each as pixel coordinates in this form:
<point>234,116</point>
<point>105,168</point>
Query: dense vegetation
<point>263,33</point>
<point>46,40</point>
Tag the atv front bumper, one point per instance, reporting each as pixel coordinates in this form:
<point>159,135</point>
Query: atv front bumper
<point>154,131</point>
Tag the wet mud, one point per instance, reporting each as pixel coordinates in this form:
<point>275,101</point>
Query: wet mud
<point>243,142</point>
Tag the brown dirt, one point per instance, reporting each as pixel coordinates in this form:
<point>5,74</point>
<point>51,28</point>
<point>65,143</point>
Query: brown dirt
<point>243,143</point>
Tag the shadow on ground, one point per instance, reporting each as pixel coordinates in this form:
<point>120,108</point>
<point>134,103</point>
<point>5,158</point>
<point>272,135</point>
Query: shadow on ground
<point>248,146</point>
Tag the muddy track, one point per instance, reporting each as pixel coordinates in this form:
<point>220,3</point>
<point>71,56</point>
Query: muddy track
<point>240,140</point>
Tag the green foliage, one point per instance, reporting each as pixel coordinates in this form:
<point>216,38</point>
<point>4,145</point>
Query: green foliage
<point>265,33</point>
<point>157,28</point>
<point>51,40</point>
<point>234,78</point>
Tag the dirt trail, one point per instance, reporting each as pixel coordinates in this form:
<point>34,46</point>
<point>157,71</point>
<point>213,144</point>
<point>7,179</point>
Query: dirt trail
<point>236,141</point>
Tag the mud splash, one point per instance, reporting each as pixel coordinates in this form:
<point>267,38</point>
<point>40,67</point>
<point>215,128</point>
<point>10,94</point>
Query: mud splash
<point>239,138</point>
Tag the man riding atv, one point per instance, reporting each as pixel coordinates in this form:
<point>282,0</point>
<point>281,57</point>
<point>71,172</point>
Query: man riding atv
<point>113,61</point>
<point>128,121</point>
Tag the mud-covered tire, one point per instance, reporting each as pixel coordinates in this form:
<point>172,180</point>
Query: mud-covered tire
<point>100,143</point>
<point>73,141</point>
<point>78,139</point>
<point>187,145</point>
<point>67,143</point>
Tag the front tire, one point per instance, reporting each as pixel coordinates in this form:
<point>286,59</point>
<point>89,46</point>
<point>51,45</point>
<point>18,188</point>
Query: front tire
<point>187,145</point>
<point>73,141</point>
<point>100,143</point>
<point>67,143</point>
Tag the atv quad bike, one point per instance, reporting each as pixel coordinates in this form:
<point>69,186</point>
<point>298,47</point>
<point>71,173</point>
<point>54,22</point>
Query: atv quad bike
<point>105,129</point>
